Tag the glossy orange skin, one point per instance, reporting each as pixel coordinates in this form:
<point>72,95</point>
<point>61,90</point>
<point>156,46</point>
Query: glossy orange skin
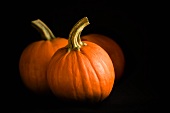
<point>34,60</point>
<point>85,75</point>
<point>112,48</point>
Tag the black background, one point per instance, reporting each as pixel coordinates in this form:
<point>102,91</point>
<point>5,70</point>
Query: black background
<point>138,29</point>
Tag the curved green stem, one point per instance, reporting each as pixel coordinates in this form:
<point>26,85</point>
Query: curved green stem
<point>44,30</point>
<point>74,41</point>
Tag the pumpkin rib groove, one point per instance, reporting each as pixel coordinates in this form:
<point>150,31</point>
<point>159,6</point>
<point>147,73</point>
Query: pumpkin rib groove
<point>41,46</point>
<point>45,46</point>
<point>45,51</point>
<point>66,65</point>
<point>78,74</point>
<point>83,66</point>
<point>36,51</point>
<point>55,77</point>
<point>57,73</point>
<point>103,65</point>
<point>34,78</point>
<point>31,78</point>
<point>63,65</point>
<point>23,56</point>
<point>95,72</point>
<point>112,48</point>
<point>60,67</point>
<point>29,49</point>
<point>55,83</point>
<point>96,77</point>
<point>51,74</point>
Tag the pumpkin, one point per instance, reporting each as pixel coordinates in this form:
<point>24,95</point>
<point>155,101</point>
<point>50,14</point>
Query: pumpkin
<point>81,71</point>
<point>36,56</point>
<point>112,48</point>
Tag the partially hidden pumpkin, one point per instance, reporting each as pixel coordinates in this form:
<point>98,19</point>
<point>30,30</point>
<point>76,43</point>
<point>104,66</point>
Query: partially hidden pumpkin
<point>112,48</point>
<point>36,56</point>
<point>81,71</point>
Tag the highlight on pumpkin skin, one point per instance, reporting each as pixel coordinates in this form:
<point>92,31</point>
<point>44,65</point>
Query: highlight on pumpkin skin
<point>112,48</point>
<point>88,73</point>
<point>76,43</point>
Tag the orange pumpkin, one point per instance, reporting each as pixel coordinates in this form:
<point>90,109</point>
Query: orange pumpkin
<point>36,56</point>
<point>82,70</point>
<point>112,48</point>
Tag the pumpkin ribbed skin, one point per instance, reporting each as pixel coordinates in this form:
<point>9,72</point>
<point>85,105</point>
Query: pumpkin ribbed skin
<point>36,56</point>
<point>87,74</point>
<point>112,48</point>
<point>82,70</point>
<point>34,60</point>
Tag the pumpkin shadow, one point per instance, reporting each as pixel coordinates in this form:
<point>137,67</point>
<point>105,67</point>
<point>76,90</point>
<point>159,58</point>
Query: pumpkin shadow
<point>76,104</point>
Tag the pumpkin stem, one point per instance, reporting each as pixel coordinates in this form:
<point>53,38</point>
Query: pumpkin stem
<point>44,30</point>
<point>74,41</point>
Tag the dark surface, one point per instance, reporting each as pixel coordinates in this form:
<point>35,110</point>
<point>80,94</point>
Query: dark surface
<point>137,29</point>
